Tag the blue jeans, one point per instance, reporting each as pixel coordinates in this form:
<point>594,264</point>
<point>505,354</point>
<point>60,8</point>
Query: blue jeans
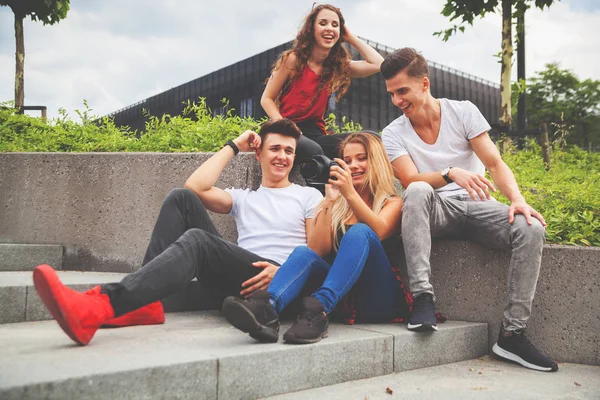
<point>361,260</point>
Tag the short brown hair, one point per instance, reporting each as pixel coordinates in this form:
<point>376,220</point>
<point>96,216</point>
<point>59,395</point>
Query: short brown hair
<point>284,126</point>
<point>405,58</point>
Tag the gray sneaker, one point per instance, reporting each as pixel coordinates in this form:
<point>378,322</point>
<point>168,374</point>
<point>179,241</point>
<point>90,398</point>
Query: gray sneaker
<point>514,346</point>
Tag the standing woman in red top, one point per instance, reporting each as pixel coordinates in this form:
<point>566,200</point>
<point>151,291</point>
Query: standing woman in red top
<point>304,77</point>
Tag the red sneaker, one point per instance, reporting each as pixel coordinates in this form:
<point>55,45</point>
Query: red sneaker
<point>78,314</point>
<point>150,314</point>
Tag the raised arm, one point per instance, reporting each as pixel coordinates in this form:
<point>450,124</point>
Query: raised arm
<point>275,85</point>
<point>203,180</point>
<point>372,59</point>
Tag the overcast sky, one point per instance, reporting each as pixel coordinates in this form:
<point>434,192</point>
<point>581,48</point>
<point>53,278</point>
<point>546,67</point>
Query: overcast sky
<point>115,53</point>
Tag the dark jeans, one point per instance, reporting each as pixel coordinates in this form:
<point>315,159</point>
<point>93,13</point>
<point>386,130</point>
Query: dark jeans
<point>184,245</point>
<point>313,142</point>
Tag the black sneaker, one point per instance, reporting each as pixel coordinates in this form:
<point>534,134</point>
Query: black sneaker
<point>254,316</point>
<point>422,317</point>
<point>515,347</point>
<point>311,325</point>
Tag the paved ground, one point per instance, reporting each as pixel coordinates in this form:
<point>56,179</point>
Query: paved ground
<point>483,378</point>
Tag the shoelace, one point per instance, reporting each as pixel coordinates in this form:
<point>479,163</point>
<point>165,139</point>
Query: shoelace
<point>310,316</point>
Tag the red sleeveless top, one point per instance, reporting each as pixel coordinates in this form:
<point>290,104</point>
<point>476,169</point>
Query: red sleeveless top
<point>300,103</point>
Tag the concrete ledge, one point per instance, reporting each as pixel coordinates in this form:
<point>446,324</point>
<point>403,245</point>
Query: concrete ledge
<point>453,342</point>
<point>102,207</point>
<point>193,355</point>
<point>25,257</point>
<point>19,302</point>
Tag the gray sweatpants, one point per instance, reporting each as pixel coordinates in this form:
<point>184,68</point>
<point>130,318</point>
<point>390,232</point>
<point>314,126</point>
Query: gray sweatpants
<point>426,215</point>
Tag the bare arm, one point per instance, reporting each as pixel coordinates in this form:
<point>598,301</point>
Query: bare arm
<point>202,181</point>
<point>384,224</point>
<point>476,185</point>
<point>320,235</point>
<point>372,59</point>
<point>406,171</point>
<point>275,85</point>
<point>504,178</point>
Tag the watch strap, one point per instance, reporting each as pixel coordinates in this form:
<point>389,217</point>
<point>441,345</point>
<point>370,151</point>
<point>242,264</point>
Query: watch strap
<point>231,144</point>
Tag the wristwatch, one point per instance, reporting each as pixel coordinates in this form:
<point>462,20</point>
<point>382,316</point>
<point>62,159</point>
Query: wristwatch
<point>445,173</point>
<point>231,144</point>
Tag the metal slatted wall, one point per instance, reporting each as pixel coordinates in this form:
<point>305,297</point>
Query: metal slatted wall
<point>366,100</point>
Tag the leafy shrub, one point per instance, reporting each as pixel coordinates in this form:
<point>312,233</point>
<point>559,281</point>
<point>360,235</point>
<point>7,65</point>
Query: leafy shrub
<point>568,196</point>
<point>195,130</point>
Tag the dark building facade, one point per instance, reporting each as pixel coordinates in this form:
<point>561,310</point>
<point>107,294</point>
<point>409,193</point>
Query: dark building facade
<point>365,102</point>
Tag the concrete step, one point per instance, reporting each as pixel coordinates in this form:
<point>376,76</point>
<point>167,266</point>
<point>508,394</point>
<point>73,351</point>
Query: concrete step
<point>19,301</point>
<point>25,257</point>
<point>483,378</point>
<point>199,355</point>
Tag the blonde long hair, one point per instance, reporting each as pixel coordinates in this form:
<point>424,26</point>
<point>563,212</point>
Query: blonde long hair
<point>379,181</point>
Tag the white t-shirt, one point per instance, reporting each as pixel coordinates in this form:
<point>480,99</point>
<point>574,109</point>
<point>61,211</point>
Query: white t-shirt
<point>461,121</point>
<point>271,222</point>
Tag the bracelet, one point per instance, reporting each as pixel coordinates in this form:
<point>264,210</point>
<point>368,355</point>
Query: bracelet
<point>231,144</point>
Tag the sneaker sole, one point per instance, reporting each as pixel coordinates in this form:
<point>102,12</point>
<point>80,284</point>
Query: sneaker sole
<point>421,327</point>
<point>293,340</point>
<point>243,319</point>
<point>44,278</point>
<point>507,355</point>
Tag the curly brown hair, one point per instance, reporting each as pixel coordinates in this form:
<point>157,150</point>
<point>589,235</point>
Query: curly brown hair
<point>336,68</point>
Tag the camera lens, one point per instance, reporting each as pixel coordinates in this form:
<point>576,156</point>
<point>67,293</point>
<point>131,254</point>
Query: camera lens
<point>310,169</point>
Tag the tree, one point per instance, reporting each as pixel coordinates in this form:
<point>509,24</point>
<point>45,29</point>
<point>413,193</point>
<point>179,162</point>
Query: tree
<point>558,97</point>
<point>467,10</point>
<point>49,12</point>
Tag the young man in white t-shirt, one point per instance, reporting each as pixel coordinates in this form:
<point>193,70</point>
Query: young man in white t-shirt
<point>271,222</point>
<point>439,150</point>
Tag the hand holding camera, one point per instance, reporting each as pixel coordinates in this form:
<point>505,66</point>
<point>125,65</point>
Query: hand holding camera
<point>321,170</point>
<point>341,178</point>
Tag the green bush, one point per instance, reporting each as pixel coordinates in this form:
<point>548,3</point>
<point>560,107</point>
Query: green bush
<point>196,130</point>
<point>568,195</point>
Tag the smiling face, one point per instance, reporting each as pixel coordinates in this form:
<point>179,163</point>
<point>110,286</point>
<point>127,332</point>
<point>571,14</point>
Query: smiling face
<point>355,155</point>
<point>276,157</point>
<point>327,28</point>
<point>408,93</point>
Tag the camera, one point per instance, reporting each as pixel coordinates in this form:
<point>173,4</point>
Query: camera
<point>316,170</point>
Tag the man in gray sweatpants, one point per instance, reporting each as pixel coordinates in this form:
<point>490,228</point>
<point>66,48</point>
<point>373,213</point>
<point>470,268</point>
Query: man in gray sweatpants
<point>439,150</point>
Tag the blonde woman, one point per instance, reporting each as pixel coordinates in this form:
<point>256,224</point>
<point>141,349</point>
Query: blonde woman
<point>360,210</point>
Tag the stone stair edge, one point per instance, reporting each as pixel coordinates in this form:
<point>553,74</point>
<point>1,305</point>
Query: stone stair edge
<point>233,350</point>
<point>25,257</point>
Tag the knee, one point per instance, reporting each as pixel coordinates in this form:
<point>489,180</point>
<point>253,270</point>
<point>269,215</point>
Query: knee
<point>534,234</point>
<point>361,229</point>
<point>178,194</point>
<point>303,251</point>
<point>307,148</point>
<point>359,235</point>
<point>418,192</point>
<point>196,235</point>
